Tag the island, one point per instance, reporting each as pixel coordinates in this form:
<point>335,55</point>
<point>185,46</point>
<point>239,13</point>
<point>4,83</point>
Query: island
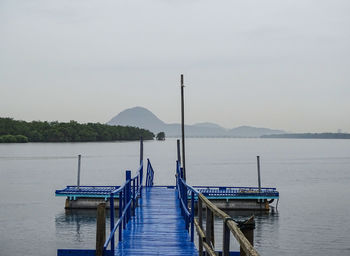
<point>15,131</point>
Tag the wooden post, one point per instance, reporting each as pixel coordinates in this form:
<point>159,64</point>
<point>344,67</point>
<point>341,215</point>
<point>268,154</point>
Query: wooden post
<point>100,228</point>
<point>78,178</point>
<point>200,220</point>
<point>183,126</point>
<point>209,230</point>
<point>247,229</point>
<point>226,240</point>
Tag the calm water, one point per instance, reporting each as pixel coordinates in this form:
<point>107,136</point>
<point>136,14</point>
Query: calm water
<point>313,178</point>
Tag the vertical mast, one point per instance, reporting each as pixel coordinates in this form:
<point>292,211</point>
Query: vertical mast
<point>183,126</point>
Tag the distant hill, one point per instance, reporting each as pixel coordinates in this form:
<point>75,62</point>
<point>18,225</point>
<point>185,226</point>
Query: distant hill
<point>248,131</point>
<point>143,118</point>
<point>309,136</point>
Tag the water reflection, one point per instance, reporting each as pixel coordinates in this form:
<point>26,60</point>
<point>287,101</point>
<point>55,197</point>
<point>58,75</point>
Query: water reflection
<point>77,228</point>
<point>266,225</point>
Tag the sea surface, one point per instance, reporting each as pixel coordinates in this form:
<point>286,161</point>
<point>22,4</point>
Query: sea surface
<point>312,176</point>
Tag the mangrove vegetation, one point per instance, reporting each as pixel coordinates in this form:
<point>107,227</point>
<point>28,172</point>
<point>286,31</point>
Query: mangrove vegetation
<point>12,131</point>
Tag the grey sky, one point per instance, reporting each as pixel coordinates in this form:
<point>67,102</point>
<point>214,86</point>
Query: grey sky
<point>277,64</point>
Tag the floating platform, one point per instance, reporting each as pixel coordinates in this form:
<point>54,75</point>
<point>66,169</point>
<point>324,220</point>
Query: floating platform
<point>227,198</point>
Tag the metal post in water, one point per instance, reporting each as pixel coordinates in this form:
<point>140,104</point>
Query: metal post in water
<point>78,178</point>
<point>259,180</point>
<point>183,126</point>
<point>141,150</point>
<point>178,151</point>
<point>128,194</point>
<point>141,163</point>
<point>112,209</point>
<point>120,215</point>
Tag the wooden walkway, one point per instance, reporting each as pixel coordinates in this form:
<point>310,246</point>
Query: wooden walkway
<point>158,227</point>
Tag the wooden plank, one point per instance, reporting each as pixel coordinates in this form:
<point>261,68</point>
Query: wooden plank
<point>157,227</point>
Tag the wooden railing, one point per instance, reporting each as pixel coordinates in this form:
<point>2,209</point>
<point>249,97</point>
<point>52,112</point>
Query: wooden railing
<point>206,236</point>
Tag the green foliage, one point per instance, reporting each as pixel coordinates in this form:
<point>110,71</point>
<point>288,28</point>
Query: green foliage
<point>37,131</point>
<point>21,139</point>
<point>13,139</point>
<point>161,136</point>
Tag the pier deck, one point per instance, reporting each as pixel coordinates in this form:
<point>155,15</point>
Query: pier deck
<point>157,227</point>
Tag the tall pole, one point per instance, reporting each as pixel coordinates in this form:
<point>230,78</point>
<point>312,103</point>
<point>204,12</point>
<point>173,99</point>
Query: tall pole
<point>259,180</point>
<point>78,178</point>
<point>183,126</point>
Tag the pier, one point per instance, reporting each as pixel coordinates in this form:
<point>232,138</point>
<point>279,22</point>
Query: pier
<point>164,220</point>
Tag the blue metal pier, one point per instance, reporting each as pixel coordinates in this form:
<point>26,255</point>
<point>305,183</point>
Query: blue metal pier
<point>157,227</point>
<point>157,220</point>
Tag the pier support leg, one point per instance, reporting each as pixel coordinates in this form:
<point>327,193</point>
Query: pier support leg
<point>247,229</point>
<point>100,229</point>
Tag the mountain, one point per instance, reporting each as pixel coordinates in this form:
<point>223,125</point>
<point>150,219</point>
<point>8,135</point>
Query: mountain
<point>139,117</point>
<point>248,131</point>
<point>143,118</point>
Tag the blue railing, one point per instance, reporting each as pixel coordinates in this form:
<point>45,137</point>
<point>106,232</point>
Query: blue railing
<point>221,192</point>
<point>183,190</point>
<point>128,196</point>
<point>150,174</point>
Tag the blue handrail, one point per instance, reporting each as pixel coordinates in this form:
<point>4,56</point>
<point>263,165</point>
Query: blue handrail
<point>128,196</point>
<point>183,189</point>
<point>150,174</point>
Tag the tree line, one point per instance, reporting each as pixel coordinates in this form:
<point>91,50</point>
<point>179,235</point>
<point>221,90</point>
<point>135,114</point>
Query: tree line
<point>38,131</point>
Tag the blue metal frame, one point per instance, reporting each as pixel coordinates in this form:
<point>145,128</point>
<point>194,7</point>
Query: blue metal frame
<point>128,195</point>
<point>237,192</point>
<point>73,192</point>
<point>183,191</point>
<point>150,174</point>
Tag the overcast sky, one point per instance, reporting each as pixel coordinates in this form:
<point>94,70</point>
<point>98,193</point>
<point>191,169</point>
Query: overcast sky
<point>267,63</point>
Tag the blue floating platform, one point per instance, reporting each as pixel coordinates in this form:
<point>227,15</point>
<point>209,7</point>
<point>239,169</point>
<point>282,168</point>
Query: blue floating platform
<point>73,192</point>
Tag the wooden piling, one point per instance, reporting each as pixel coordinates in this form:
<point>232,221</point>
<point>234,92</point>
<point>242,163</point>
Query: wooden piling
<point>210,227</point>
<point>100,228</point>
<point>247,229</point>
